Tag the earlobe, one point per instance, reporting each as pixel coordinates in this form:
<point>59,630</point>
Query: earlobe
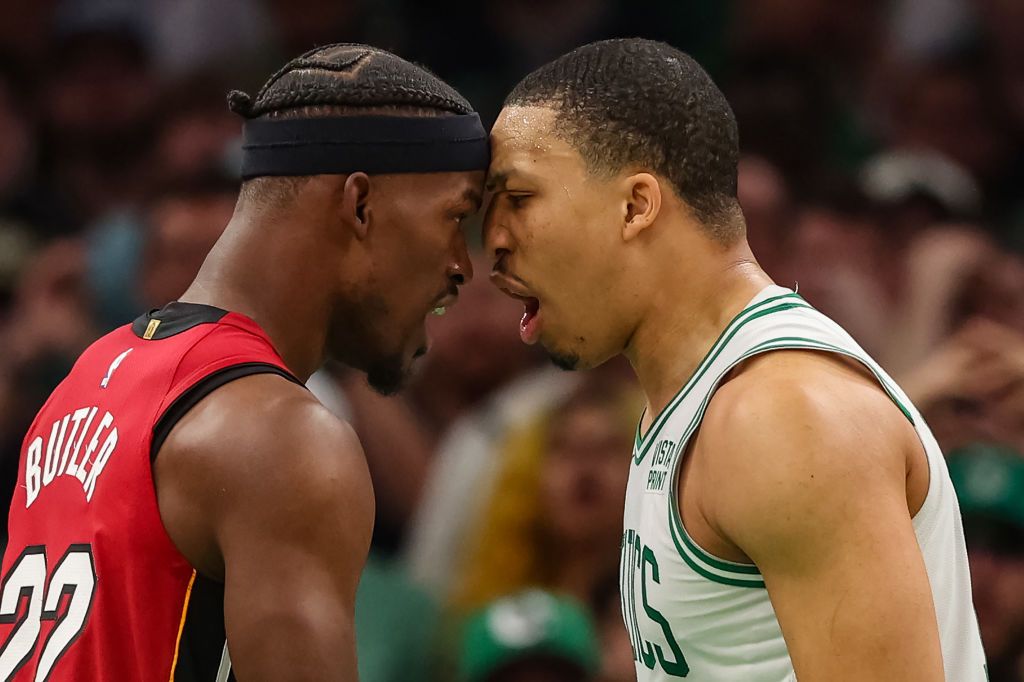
<point>354,205</point>
<point>643,204</point>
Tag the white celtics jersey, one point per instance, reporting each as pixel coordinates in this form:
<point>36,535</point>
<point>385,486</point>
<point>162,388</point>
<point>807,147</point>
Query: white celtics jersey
<point>692,615</point>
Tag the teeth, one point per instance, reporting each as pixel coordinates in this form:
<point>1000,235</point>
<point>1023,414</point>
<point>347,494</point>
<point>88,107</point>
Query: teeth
<point>439,310</point>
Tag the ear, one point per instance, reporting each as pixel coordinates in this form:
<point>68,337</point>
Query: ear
<point>355,194</point>
<point>643,204</point>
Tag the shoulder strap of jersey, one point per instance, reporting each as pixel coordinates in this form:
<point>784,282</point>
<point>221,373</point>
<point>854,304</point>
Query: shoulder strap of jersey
<point>805,328</point>
<point>229,347</point>
<point>191,396</point>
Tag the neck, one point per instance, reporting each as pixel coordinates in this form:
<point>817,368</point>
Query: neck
<point>688,311</point>
<point>262,271</point>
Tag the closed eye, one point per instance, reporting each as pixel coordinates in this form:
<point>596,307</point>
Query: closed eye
<point>461,212</point>
<point>517,200</point>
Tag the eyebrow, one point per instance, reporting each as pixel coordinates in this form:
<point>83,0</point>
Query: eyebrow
<point>494,180</point>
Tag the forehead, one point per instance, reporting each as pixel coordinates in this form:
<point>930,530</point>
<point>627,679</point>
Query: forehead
<point>447,187</point>
<point>524,144</point>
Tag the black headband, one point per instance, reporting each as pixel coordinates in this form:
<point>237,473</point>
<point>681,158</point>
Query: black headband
<point>371,144</point>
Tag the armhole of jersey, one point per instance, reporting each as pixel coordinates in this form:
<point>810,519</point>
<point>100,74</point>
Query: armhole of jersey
<point>202,388</point>
<point>201,651</point>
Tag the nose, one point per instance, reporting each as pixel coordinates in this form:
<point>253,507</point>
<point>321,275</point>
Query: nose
<point>496,236</point>
<point>460,269</point>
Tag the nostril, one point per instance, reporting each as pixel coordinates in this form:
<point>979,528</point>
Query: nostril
<point>458,279</point>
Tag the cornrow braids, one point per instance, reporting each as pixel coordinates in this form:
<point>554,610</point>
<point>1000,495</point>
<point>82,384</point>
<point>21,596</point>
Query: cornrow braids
<point>641,102</point>
<point>343,79</point>
<point>352,76</point>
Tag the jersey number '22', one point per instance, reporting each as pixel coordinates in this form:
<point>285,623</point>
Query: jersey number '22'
<point>75,577</point>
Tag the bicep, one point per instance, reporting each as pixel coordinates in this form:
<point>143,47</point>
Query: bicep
<point>824,516</point>
<point>289,616</point>
<point>853,598</point>
<point>294,538</point>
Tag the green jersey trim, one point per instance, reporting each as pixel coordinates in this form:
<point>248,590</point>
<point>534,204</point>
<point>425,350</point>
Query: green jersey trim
<point>737,580</point>
<point>643,442</point>
<point>639,437</point>
<point>703,563</point>
<point>803,343</point>
<point>713,561</point>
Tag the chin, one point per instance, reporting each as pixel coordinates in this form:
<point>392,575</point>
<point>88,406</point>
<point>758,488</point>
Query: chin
<point>388,376</point>
<point>571,359</point>
<point>567,361</point>
<point>563,357</point>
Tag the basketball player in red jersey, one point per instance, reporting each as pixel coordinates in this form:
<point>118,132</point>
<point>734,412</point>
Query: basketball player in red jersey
<point>185,509</point>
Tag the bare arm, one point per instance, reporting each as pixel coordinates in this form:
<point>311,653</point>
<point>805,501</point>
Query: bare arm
<point>821,507</point>
<point>261,486</point>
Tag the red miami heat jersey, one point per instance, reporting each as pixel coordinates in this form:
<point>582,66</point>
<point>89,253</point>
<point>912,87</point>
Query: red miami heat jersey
<point>93,588</point>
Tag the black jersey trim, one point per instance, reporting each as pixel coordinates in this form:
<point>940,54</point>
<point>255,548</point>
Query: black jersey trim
<point>175,318</point>
<point>203,635</point>
<point>204,387</point>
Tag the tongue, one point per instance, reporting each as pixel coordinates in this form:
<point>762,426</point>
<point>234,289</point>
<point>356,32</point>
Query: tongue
<point>528,325</point>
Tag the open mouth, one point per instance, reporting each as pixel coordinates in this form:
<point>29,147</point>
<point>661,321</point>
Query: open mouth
<point>441,304</point>
<point>529,324</point>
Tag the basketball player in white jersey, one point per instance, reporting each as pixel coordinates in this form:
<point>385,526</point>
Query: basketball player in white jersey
<point>789,514</point>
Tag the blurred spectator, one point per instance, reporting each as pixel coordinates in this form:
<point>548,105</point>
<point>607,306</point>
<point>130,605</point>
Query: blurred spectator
<point>843,263</point>
<point>184,221</point>
<point>143,259</point>
<point>396,625</point>
<point>24,198</point>
<point>934,275</point>
<point>197,131</point>
<point>26,213</point>
<point>540,31</point>
<point>500,42</point>
<point>915,190</point>
<point>949,105</point>
<point>996,291</point>
<point>972,386</point>
<point>193,35</point>
<point>27,27</point>
<point>924,28</point>
<point>990,487</point>
<point>532,636</point>
<point>770,211</point>
<point>617,664</point>
<point>99,108</point>
<point>555,515</point>
<point>465,471</point>
<point>50,322</point>
<point>1003,22</point>
<point>844,35</point>
<point>301,25</point>
<point>506,40</point>
<point>786,107</point>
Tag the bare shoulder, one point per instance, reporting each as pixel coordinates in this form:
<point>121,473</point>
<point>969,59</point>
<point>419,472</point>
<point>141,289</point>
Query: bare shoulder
<point>260,450</point>
<point>261,421</point>
<point>791,431</point>
<point>810,396</point>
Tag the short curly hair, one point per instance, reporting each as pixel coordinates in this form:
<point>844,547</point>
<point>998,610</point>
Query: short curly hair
<point>634,101</point>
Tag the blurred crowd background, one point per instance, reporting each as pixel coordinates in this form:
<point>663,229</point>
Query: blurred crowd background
<point>883,159</point>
